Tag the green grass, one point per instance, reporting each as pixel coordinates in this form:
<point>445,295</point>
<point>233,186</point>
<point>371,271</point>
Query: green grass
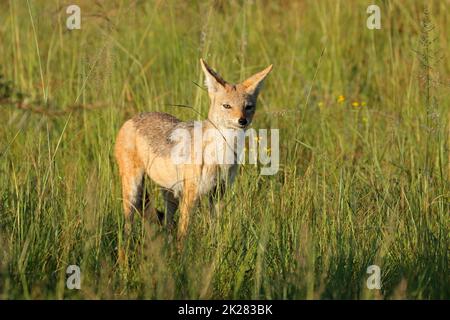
<point>357,185</point>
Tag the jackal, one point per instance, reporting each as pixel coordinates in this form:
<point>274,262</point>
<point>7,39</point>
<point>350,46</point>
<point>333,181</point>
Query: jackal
<point>144,145</point>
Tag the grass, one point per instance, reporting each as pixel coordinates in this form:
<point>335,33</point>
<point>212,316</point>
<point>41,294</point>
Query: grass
<point>363,180</point>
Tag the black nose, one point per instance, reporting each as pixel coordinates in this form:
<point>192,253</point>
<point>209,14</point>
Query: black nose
<point>242,121</point>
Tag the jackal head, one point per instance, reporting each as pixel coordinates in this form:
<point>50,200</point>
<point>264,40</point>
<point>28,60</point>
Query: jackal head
<point>232,106</point>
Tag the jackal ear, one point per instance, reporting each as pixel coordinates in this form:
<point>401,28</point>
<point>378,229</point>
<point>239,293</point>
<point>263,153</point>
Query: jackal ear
<point>253,84</point>
<point>212,79</point>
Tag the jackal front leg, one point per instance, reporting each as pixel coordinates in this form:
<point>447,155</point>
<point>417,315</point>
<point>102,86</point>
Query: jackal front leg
<point>188,201</point>
<point>216,202</point>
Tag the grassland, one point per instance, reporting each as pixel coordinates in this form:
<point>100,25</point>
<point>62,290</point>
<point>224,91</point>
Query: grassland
<point>364,135</point>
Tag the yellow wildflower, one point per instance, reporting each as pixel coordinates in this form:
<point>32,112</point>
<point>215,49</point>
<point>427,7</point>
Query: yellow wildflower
<point>340,99</point>
<point>355,104</point>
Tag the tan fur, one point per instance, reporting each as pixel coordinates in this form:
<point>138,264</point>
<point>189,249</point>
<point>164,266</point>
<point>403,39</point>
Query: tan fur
<point>143,147</point>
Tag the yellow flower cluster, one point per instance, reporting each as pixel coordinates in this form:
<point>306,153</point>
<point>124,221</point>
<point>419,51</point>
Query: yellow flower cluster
<point>357,104</point>
<point>341,99</point>
<point>257,140</point>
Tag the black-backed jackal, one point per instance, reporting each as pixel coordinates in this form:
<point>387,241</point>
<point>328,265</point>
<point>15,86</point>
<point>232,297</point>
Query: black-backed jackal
<point>144,145</point>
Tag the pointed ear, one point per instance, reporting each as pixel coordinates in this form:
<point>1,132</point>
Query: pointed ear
<point>213,80</point>
<point>253,84</point>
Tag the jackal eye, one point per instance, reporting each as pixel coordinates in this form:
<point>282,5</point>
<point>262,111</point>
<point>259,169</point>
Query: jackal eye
<point>226,106</point>
<point>249,107</point>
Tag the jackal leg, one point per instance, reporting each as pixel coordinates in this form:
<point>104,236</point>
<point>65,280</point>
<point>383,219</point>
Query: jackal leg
<point>151,213</point>
<point>187,203</point>
<point>216,202</point>
<point>132,178</point>
<point>132,193</point>
<point>171,205</point>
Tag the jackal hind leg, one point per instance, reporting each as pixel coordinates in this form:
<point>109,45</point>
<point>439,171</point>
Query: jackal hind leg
<point>132,177</point>
<point>171,205</point>
<point>132,194</point>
